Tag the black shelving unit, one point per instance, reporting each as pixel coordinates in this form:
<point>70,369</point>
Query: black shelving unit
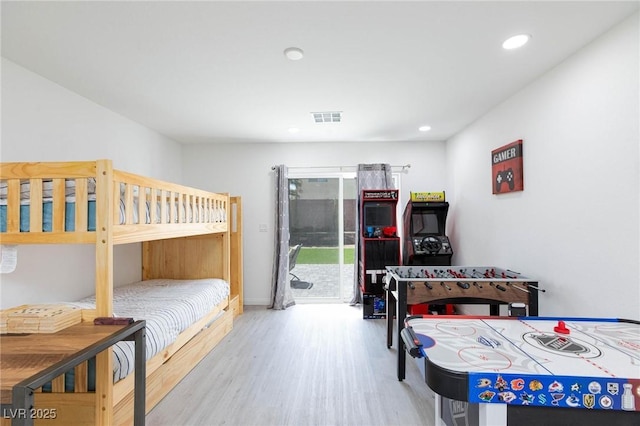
<point>379,246</point>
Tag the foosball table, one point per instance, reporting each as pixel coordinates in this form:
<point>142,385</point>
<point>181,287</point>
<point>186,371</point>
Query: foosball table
<point>488,285</point>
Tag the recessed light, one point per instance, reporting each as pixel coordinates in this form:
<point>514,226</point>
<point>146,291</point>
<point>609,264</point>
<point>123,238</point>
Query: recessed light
<point>294,53</point>
<point>293,130</point>
<point>424,128</point>
<point>516,41</point>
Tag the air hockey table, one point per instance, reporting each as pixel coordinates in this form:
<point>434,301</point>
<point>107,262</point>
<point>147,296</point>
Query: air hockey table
<point>531,370</point>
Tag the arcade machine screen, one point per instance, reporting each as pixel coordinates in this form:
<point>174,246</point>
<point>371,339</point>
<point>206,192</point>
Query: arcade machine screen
<point>378,216</point>
<point>425,223</point>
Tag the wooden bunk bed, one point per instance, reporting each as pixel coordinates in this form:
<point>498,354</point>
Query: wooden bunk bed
<point>185,234</point>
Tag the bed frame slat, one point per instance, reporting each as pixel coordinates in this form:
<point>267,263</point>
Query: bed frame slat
<point>58,205</point>
<point>13,205</point>
<point>142,205</point>
<point>163,206</point>
<point>81,377</point>
<point>57,384</point>
<point>128,204</point>
<point>82,206</point>
<point>153,205</point>
<point>35,209</point>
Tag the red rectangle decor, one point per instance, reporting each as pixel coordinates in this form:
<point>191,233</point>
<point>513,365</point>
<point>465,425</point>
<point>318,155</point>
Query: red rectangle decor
<point>506,168</point>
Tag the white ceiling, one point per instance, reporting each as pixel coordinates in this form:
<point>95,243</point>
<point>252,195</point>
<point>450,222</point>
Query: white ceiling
<point>212,71</point>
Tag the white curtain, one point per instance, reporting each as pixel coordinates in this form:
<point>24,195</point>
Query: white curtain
<point>369,176</point>
<point>281,294</point>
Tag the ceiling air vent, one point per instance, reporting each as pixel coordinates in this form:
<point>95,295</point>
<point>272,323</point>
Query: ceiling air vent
<point>327,117</point>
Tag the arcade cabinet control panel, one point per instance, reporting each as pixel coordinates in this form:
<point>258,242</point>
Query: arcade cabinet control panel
<point>431,245</point>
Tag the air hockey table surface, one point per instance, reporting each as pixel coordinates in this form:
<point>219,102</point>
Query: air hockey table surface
<point>581,363</point>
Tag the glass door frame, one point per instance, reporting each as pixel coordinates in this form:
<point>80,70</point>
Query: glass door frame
<point>341,176</point>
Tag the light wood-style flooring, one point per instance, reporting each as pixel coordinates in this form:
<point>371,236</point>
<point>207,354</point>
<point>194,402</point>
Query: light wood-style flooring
<point>307,365</point>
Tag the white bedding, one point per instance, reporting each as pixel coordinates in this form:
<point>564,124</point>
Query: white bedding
<point>168,306</point>
<point>47,189</point>
<point>199,216</point>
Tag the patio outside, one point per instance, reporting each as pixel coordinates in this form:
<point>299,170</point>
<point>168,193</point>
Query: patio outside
<point>319,265</point>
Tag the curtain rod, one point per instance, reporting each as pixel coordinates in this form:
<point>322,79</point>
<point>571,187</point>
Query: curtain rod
<point>402,168</point>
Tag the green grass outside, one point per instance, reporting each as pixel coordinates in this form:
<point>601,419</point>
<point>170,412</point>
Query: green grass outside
<point>324,255</point>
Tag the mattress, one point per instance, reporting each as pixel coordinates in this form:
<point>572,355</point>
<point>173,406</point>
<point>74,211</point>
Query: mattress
<point>47,215</point>
<point>69,226</point>
<point>47,188</point>
<point>47,205</point>
<point>168,307</point>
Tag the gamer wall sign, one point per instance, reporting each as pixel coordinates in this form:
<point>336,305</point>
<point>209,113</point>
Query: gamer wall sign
<point>506,168</point>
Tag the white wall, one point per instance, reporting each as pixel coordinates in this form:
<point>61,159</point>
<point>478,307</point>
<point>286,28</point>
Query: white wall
<point>575,227</point>
<point>245,170</point>
<point>42,121</point>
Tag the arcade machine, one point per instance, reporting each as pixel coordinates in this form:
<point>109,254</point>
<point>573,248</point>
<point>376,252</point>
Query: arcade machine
<point>424,220</point>
<point>379,246</point>
<point>425,243</point>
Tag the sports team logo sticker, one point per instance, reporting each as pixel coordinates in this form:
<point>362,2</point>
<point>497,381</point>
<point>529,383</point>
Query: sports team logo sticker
<point>506,168</point>
<point>589,400</point>
<point>562,345</point>
<point>606,402</point>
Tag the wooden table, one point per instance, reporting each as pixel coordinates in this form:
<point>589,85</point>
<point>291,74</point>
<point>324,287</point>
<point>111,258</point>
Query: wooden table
<point>28,361</point>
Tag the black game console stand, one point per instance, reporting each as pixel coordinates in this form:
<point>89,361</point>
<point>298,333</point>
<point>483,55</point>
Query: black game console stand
<point>379,246</point>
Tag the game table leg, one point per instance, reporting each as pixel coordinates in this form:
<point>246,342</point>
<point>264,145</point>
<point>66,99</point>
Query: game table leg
<point>492,414</point>
<point>494,310</point>
<point>401,313</point>
<point>437,404</point>
<point>391,311</point>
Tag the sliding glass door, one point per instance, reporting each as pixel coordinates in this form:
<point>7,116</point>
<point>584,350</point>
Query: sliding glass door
<point>322,223</point>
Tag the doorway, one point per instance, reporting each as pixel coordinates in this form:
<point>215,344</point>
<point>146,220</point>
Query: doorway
<point>322,220</point>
